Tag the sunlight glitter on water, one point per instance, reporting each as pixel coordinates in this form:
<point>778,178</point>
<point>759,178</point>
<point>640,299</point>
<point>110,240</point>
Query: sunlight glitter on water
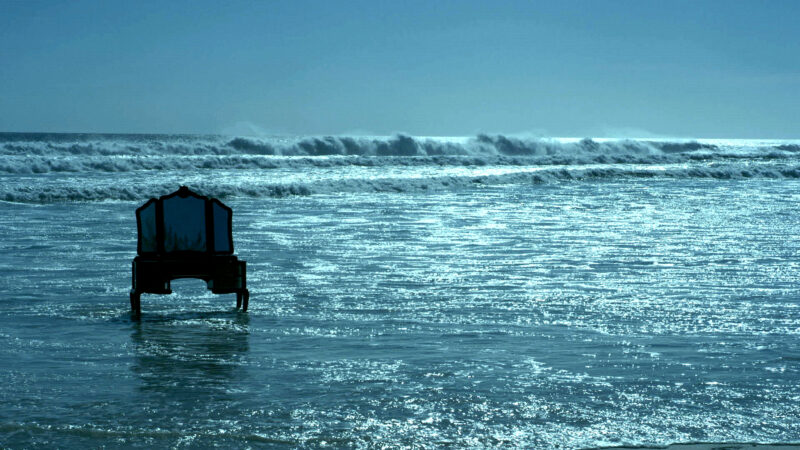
<point>636,312</point>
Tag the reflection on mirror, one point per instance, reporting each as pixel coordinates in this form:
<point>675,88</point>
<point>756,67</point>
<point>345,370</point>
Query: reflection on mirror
<point>222,234</point>
<point>184,224</point>
<point>147,218</point>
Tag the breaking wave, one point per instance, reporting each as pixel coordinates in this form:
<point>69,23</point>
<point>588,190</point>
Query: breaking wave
<point>44,153</point>
<point>399,145</point>
<point>45,168</point>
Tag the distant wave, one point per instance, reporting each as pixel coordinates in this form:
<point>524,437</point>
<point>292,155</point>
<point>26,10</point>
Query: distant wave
<point>139,191</point>
<point>398,145</point>
<point>136,167</point>
<point>32,153</point>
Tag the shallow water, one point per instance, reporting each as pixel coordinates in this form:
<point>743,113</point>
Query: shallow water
<point>579,313</point>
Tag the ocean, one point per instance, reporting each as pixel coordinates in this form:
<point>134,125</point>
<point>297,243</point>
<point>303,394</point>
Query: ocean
<point>423,292</point>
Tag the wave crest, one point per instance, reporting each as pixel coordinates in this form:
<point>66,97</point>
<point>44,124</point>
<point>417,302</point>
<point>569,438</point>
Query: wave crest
<point>400,145</point>
<point>90,153</point>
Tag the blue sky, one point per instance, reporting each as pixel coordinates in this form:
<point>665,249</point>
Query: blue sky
<point>566,68</point>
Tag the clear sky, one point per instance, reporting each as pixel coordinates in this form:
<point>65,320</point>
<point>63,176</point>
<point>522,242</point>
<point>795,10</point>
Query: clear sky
<point>562,68</point>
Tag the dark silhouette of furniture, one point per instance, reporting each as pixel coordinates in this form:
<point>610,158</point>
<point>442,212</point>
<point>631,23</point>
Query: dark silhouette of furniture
<point>186,235</point>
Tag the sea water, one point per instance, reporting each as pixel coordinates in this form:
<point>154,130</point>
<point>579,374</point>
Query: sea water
<point>406,292</point>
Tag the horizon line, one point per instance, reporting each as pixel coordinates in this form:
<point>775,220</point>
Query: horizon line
<point>396,134</point>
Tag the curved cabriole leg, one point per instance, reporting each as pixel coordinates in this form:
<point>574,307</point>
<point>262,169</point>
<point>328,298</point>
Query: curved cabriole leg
<point>245,300</point>
<point>238,300</point>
